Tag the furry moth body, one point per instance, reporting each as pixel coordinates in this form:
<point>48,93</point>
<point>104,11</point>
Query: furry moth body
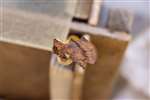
<point>79,51</point>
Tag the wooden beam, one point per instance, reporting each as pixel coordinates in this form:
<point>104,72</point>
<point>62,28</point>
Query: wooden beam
<point>95,12</point>
<point>61,78</point>
<point>35,30</point>
<point>24,72</point>
<point>85,28</point>
<point>83,9</point>
<point>100,77</point>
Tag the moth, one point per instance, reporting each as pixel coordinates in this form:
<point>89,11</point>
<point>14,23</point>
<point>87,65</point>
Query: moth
<point>80,51</point>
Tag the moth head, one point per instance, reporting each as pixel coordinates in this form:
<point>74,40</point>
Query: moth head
<point>58,47</point>
<point>61,52</point>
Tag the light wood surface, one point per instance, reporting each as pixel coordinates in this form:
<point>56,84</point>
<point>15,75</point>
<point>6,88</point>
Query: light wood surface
<point>83,9</point>
<point>24,72</point>
<point>60,77</point>
<point>95,12</point>
<point>100,77</point>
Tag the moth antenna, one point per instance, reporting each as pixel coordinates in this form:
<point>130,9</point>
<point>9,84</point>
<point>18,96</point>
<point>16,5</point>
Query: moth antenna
<point>55,41</point>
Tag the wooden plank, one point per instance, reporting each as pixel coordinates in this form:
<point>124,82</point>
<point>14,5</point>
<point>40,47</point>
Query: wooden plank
<point>83,9</point>
<point>24,72</point>
<point>26,37</point>
<point>61,78</point>
<point>95,12</point>
<point>99,78</point>
<point>77,83</point>
<point>85,28</point>
<point>30,30</point>
<point>23,22</point>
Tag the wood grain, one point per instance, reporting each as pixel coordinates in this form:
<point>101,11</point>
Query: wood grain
<point>100,77</point>
<point>24,72</point>
<point>95,12</point>
<point>83,9</point>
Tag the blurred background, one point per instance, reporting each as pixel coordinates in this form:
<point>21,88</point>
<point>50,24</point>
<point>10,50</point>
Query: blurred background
<point>134,83</point>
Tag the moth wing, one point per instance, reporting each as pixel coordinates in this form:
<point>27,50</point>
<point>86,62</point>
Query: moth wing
<point>89,50</point>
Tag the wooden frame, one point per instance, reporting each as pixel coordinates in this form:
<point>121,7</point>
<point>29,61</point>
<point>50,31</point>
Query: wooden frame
<point>32,79</point>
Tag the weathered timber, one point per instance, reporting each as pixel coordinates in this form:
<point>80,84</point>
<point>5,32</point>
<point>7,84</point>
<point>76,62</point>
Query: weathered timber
<point>99,78</point>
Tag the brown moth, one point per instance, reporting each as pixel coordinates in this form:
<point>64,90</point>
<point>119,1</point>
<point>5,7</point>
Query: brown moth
<point>80,51</point>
